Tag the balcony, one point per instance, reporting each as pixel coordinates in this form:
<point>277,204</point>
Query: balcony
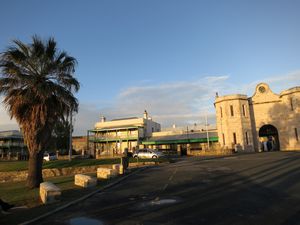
<point>12,144</point>
<point>111,138</point>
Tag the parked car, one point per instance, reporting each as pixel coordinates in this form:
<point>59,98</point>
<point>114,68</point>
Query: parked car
<point>49,156</point>
<point>147,153</point>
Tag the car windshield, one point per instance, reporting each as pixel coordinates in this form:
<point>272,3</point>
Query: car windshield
<point>51,154</point>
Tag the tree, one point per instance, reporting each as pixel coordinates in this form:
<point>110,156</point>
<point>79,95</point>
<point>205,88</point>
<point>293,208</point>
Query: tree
<point>37,81</point>
<point>61,134</point>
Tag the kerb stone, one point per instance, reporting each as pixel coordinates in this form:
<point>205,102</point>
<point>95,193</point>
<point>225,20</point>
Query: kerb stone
<point>49,192</point>
<point>85,180</point>
<point>105,173</point>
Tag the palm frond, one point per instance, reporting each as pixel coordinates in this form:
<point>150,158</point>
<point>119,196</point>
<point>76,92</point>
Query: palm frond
<point>38,83</point>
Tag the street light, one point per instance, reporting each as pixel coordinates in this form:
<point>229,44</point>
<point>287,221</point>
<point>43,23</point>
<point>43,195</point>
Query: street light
<point>70,138</point>
<point>207,135</point>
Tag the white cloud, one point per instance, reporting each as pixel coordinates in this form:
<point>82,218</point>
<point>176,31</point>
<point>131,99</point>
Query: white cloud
<point>5,122</point>
<point>87,116</point>
<point>181,102</point>
<point>277,83</point>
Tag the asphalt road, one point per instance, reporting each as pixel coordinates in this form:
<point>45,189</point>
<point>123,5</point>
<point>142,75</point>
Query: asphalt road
<point>262,188</point>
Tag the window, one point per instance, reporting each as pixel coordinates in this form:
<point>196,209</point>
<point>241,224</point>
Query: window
<point>296,135</point>
<point>244,110</point>
<point>231,110</point>
<point>234,138</point>
<point>291,103</point>
<point>247,139</point>
<point>221,112</point>
<point>223,137</point>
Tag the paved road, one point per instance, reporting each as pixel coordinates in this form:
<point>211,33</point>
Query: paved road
<point>262,188</point>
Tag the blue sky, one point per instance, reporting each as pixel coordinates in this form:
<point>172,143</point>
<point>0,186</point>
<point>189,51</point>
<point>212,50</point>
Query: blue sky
<point>167,56</point>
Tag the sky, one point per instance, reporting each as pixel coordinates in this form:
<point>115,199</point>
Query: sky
<point>169,57</point>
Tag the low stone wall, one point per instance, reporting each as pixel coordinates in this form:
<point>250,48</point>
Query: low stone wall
<point>16,176</point>
<point>213,152</point>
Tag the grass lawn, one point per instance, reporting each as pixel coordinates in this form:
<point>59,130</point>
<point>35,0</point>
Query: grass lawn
<point>17,194</point>
<point>23,165</point>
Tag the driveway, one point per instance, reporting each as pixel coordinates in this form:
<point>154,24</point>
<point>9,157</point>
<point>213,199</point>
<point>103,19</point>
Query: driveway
<point>262,188</point>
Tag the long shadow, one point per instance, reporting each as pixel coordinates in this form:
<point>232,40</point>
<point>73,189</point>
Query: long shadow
<point>229,198</point>
<point>246,203</point>
<point>236,198</point>
<point>269,171</point>
<point>278,163</point>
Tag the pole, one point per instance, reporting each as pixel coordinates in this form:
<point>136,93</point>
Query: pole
<point>88,142</point>
<point>70,138</point>
<point>187,132</point>
<point>207,136</point>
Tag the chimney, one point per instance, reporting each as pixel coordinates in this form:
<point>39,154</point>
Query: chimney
<point>145,115</point>
<point>102,119</point>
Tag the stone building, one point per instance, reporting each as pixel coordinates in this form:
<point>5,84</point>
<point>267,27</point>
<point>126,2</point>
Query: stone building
<point>112,137</point>
<point>265,121</point>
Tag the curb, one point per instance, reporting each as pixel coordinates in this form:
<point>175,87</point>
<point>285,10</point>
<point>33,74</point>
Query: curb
<point>82,198</point>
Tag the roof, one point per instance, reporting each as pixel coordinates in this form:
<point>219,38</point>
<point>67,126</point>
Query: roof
<point>180,141</point>
<point>129,118</point>
<point>199,137</point>
<point>189,135</point>
<point>11,134</point>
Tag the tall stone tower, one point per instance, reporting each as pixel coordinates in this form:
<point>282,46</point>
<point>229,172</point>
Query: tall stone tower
<point>234,122</point>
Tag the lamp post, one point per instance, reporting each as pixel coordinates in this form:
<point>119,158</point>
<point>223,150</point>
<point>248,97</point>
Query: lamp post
<point>70,137</point>
<point>207,135</point>
<point>187,132</point>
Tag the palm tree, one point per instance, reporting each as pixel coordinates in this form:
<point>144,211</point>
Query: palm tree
<point>38,85</point>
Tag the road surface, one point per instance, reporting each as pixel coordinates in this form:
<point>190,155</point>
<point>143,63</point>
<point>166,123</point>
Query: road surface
<point>261,188</point>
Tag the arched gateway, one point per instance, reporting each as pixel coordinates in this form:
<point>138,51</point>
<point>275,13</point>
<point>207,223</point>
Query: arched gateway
<point>264,117</point>
<point>269,138</point>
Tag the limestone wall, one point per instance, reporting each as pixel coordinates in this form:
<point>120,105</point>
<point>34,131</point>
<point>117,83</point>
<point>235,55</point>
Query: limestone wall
<point>277,110</point>
<point>15,176</point>
<point>251,114</point>
<point>233,121</point>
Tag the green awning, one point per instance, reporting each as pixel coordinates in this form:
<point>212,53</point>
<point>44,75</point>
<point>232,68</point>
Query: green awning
<point>180,141</point>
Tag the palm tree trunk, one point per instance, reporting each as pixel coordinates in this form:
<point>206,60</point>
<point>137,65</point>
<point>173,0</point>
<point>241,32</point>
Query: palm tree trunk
<point>35,176</point>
